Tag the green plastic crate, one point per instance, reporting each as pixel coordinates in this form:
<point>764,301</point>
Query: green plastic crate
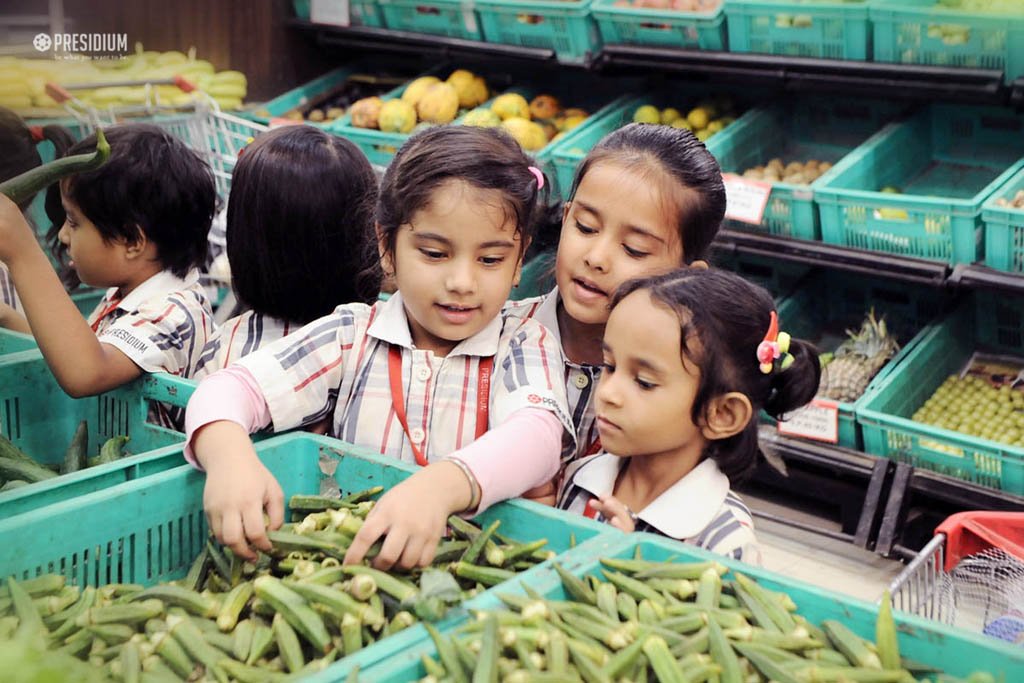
<point>911,32</point>
<point>988,323</point>
<point>565,26</point>
<point>794,28</point>
<point>947,160</point>
<point>1004,229</point>
<point>643,26</point>
<point>362,12</point>
<point>39,418</point>
<point>840,301</point>
<point>826,130</point>
<point>778,277</point>
<point>15,343</point>
<point>956,651</point>
<point>298,97</point>
<point>150,530</point>
<point>451,18</point>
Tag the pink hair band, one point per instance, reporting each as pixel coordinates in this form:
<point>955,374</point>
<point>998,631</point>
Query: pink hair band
<point>538,175</point>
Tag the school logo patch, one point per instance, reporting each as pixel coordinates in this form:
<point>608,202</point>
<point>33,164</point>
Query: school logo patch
<point>534,398</point>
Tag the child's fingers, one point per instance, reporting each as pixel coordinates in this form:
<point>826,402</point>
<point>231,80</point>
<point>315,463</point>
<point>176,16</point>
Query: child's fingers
<point>233,536</point>
<point>371,530</point>
<point>274,503</point>
<point>391,551</point>
<point>414,546</point>
<point>427,556</point>
<point>255,528</point>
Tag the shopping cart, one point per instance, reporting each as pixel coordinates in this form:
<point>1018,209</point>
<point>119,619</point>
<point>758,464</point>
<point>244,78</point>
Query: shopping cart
<point>970,575</point>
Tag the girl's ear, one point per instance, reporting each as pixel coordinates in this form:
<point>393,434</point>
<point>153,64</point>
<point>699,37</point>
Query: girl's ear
<point>136,246</point>
<point>726,415</point>
<point>386,260</point>
<point>699,265</point>
<point>565,211</point>
<point>519,263</point>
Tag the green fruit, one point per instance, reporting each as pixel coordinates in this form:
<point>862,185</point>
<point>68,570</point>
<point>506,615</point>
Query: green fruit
<point>648,113</point>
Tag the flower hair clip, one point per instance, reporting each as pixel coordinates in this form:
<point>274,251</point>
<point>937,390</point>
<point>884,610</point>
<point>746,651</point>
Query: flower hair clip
<point>773,351</point>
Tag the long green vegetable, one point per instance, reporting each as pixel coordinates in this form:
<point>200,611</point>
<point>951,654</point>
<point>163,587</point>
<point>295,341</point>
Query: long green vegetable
<point>22,187</point>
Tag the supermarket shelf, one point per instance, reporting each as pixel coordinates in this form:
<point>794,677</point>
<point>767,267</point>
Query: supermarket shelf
<point>903,81</point>
<point>821,254</point>
<point>980,277</point>
<point>378,39</point>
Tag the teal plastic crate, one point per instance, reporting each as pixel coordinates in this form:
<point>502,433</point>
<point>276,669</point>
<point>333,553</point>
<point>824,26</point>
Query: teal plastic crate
<point>361,12</point>
<point>302,95</point>
<point>151,529</point>
<point>946,160</point>
<point>565,26</point>
<point>776,276</point>
<point>797,28</point>
<point>15,343</point>
<point>988,323</point>
<point>1004,229</point>
<point>955,651</point>
<point>826,304</point>
<point>923,32</point>
<point>643,26</point>
<point>570,151</point>
<point>826,130</point>
<point>451,18</point>
<point>40,419</point>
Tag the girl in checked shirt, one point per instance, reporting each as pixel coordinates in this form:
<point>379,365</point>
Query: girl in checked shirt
<point>420,377</point>
<point>299,214</point>
<point>647,199</point>
<point>690,358</point>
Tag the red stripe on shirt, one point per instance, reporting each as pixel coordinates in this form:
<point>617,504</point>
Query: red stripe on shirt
<point>322,371</point>
<point>544,356</point>
<point>426,410</point>
<point>462,409</point>
<point>231,341</point>
<point>163,315</point>
<point>387,431</point>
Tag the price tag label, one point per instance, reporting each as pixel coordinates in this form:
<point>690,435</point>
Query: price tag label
<point>745,199</point>
<point>333,12</point>
<point>818,420</point>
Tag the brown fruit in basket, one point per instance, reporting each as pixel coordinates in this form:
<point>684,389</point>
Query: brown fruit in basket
<point>317,116</point>
<point>366,112</point>
<point>334,113</point>
<point>544,107</point>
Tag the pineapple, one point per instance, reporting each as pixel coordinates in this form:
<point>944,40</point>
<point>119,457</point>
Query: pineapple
<point>857,360</point>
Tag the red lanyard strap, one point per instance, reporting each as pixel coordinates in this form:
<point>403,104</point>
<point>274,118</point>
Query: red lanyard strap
<point>483,392</point>
<point>111,307</point>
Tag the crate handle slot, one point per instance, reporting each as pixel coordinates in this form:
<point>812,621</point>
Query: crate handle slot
<point>797,21</point>
<point>427,9</point>
<point>655,26</point>
<point>891,215</point>
<point>531,19</point>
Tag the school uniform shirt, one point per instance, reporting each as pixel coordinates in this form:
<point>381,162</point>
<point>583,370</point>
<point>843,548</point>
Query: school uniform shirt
<point>162,325</point>
<point>580,379</point>
<point>7,293</point>
<point>237,338</point>
<point>699,509</point>
<point>338,365</point>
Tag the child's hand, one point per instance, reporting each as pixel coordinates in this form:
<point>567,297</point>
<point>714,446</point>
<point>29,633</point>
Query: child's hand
<point>413,517</point>
<point>618,513</point>
<point>545,494</point>
<point>10,319</point>
<point>15,234</point>
<point>238,489</point>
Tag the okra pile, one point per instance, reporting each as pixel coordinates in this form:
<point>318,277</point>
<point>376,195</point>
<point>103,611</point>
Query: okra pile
<point>667,622</point>
<point>293,612</point>
<point>19,469</point>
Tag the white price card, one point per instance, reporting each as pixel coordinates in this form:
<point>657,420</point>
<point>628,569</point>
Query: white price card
<point>745,199</point>
<point>333,12</point>
<point>818,420</point>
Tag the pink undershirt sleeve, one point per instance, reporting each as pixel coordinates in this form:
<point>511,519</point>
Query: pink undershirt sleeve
<point>518,455</point>
<point>230,394</point>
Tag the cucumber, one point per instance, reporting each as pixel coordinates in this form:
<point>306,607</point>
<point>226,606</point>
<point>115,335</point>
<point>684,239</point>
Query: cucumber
<point>13,484</point>
<point>30,472</point>
<point>23,187</point>
<point>77,453</point>
<point>112,450</point>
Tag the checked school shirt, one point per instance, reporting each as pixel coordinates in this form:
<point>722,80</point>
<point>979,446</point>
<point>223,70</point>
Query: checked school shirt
<point>237,338</point>
<point>162,325</point>
<point>580,380</point>
<point>7,294</point>
<point>338,366</point>
<point>699,509</point>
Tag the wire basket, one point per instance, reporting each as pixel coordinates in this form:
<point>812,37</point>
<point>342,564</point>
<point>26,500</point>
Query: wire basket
<point>970,575</point>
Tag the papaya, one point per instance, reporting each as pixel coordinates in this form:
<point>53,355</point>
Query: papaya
<point>529,134</point>
<point>471,89</point>
<point>484,118</point>
<point>439,104</point>
<point>544,107</point>
<point>397,116</point>
<point>511,105</point>
<point>366,112</point>
<point>414,91</point>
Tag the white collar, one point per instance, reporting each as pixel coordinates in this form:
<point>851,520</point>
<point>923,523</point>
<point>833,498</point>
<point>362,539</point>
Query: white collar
<point>392,326</point>
<point>683,511</point>
<point>160,284</point>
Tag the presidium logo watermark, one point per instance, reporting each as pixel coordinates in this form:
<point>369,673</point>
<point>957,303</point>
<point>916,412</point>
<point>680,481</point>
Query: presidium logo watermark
<point>82,45</point>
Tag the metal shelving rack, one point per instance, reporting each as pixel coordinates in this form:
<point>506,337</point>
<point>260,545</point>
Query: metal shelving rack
<point>887,492</point>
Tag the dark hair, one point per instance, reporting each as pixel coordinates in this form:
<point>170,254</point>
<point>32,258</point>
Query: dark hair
<point>299,214</point>
<point>19,146</point>
<point>486,158</point>
<point>728,318</point>
<point>154,184</point>
<point>679,154</point>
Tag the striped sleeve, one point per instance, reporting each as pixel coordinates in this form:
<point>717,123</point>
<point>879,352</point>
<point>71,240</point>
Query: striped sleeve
<point>299,374</point>
<point>164,334</point>
<point>731,532</point>
<point>529,374</point>
<point>7,293</point>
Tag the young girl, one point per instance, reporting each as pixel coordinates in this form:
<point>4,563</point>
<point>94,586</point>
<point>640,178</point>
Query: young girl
<point>19,144</point>
<point>691,357</point>
<point>647,199</point>
<point>136,225</point>
<point>299,214</point>
<point>419,377</point>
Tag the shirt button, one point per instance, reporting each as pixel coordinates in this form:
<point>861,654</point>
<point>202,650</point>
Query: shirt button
<point>417,435</point>
<point>423,373</point>
<point>581,380</point>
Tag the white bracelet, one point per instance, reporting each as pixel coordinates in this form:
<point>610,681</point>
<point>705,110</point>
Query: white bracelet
<point>474,486</point>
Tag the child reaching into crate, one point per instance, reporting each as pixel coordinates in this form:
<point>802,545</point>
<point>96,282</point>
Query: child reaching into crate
<point>299,216</point>
<point>647,199</point>
<point>690,358</point>
<point>420,377</point>
<point>20,145</point>
<point>136,225</point>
